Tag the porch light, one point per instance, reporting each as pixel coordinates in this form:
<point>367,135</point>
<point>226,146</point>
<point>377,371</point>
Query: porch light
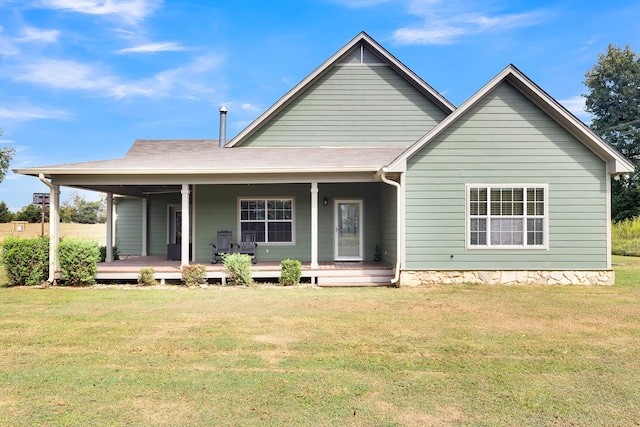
<point>325,201</point>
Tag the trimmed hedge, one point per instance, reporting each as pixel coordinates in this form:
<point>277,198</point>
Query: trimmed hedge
<point>194,274</point>
<point>291,272</point>
<point>78,261</point>
<point>26,261</point>
<point>238,268</point>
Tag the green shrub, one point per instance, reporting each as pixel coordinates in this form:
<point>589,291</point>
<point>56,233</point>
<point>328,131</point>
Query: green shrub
<point>26,261</point>
<point>103,253</point>
<point>238,268</point>
<point>290,273</point>
<point>146,276</point>
<point>78,261</point>
<point>625,237</point>
<point>194,275</point>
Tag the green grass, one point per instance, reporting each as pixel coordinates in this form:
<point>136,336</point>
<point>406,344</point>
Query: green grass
<point>441,355</point>
<point>625,237</point>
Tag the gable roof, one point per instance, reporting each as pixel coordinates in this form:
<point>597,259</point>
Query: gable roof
<point>616,162</point>
<point>361,39</point>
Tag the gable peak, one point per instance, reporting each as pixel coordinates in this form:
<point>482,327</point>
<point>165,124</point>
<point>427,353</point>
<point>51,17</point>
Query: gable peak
<point>361,54</point>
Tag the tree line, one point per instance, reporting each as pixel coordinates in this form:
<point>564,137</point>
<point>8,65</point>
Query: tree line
<point>75,209</point>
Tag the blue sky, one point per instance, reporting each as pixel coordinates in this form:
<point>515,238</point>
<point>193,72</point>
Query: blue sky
<point>80,80</point>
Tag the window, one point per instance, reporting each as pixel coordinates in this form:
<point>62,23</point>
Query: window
<point>507,216</point>
<point>271,219</point>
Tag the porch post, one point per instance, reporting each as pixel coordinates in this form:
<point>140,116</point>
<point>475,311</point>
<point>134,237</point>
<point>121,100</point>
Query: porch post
<point>109,242</point>
<point>314,225</point>
<point>54,230</point>
<point>145,208</point>
<point>184,255</point>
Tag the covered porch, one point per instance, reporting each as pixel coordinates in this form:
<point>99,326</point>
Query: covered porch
<point>326,274</point>
<point>323,206</point>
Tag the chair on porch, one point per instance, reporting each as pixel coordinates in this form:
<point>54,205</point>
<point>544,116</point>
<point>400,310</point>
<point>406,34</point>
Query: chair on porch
<point>248,245</point>
<point>224,245</point>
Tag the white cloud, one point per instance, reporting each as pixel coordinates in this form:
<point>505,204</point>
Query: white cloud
<point>250,107</point>
<point>153,47</point>
<point>31,34</point>
<point>444,27</point>
<point>61,74</point>
<point>182,82</point>
<point>436,34</point>
<point>130,11</point>
<point>576,106</point>
<point>26,112</point>
<point>7,47</point>
<point>445,22</point>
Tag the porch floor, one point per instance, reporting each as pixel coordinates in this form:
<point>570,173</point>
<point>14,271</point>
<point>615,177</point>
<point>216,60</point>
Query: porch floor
<point>327,273</point>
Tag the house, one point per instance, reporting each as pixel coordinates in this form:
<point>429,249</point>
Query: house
<point>364,159</point>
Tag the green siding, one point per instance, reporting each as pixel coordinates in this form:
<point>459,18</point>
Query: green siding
<point>388,224</point>
<point>217,209</point>
<point>505,139</point>
<point>352,105</point>
<point>129,226</point>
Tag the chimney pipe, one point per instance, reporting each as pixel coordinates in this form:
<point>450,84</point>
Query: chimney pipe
<point>222,139</point>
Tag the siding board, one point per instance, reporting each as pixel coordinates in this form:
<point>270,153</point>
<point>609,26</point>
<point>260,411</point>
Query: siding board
<point>505,139</point>
<point>128,232</point>
<point>352,105</point>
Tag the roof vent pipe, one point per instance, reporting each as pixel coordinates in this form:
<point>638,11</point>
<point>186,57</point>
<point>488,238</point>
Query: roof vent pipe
<point>222,139</point>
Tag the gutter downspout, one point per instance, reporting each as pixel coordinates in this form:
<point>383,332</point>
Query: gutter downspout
<point>382,175</point>
<point>53,228</point>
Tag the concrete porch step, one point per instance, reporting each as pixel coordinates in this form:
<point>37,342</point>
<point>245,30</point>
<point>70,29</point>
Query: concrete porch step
<point>355,278</point>
<point>355,284</point>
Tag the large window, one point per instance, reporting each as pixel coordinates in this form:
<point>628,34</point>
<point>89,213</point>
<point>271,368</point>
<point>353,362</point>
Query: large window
<point>271,219</point>
<point>507,216</point>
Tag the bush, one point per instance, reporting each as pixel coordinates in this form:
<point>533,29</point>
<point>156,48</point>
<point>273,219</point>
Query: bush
<point>194,275</point>
<point>103,253</point>
<point>146,276</point>
<point>625,237</point>
<point>291,271</point>
<point>26,261</point>
<point>238,268</point>
<point>78,261</point>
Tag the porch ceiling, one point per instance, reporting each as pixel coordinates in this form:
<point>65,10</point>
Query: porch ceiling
<point>131,190</point>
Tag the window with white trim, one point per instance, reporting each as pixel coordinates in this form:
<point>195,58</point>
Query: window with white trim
<point>271,219</point>
<point>507,216</point>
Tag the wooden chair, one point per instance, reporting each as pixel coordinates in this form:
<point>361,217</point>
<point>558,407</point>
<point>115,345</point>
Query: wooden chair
<point>248,245</point>
<point>224,245</point>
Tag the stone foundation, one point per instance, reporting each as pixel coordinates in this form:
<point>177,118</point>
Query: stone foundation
<point>499,277</point>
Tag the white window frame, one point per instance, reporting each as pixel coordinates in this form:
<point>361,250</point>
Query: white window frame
<point>267,221</point>
<point>524,216</point>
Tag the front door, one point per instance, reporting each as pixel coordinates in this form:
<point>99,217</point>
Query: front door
<point>348,230</point>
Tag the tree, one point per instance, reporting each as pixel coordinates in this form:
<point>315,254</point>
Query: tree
<point>6,154</point>
<point>614,101</point>
<point>77,209</point>
<point>31,213</point>
<point>5,214</point>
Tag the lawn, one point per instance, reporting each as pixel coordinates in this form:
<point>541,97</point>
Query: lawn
<point>439,355</point>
